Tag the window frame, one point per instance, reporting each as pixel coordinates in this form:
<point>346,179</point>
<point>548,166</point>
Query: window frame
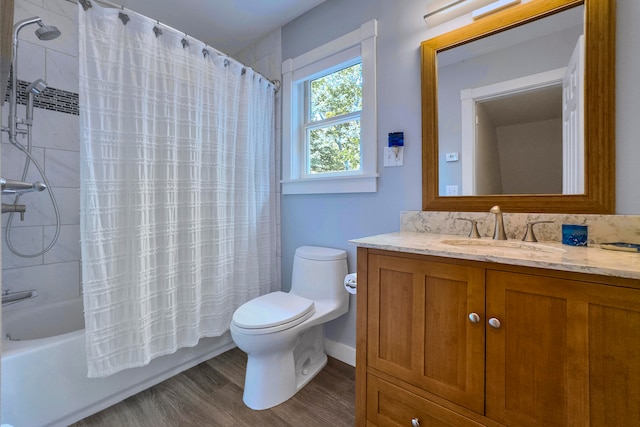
<point>359,46</point>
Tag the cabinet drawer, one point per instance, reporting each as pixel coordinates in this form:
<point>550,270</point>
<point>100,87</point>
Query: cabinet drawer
<point>389,405</point>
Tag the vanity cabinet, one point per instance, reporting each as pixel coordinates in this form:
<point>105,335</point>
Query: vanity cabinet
<point>445,342</point>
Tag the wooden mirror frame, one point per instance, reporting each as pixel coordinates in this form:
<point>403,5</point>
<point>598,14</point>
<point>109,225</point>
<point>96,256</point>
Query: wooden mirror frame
<point>599,196</point>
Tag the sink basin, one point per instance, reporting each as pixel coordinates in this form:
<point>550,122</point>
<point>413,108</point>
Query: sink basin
<point>503,244</point>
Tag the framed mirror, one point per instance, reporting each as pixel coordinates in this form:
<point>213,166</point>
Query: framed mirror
<point>457,101</point>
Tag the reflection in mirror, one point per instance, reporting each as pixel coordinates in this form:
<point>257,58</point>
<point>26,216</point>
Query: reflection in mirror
<point>518,144</point>
<point>590,189</point>
<point>501,106</point>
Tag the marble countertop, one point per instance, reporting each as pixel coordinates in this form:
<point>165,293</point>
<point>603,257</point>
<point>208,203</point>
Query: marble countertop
<point>549,255</point>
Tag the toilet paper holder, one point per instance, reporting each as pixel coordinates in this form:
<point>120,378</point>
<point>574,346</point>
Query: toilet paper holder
<point>351,283</point>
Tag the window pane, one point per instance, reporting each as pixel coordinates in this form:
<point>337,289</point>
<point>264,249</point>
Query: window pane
<point>336,93</point>
<point>334,148</point>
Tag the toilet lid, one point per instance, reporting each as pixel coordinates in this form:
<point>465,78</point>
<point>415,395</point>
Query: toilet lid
<point>273,309</point>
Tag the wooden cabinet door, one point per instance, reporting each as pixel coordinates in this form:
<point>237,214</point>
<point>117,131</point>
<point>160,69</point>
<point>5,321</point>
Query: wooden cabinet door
<point>613,316</point>
<point>566,352</point>
<point>419,329</point>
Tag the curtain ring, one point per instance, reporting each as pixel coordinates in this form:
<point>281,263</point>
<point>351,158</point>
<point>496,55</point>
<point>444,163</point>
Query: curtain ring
<point>157,31</point>
<point>185,43</point>
<point>205,52</point>
<point>124,18</point>
<point>86,4</point>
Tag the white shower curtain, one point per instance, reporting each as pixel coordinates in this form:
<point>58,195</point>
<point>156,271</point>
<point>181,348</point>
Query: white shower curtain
<point>178,186</point>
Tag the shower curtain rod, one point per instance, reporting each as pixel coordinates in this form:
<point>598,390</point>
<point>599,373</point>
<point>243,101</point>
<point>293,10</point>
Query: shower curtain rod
<point>86,4</point>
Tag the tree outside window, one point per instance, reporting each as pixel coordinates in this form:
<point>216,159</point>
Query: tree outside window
<point>333,127</point>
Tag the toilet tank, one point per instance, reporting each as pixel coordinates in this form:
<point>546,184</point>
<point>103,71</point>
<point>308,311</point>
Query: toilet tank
<point>318,273</point>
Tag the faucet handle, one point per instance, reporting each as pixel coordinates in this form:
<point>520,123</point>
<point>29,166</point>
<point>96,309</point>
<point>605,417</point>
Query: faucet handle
<point>473,233</point>
<point>529,235</point>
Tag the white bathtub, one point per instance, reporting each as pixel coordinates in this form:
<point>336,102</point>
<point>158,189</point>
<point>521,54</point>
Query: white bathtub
<point>44,380</point>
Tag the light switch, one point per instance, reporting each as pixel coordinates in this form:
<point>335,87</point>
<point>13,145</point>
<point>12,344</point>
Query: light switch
<point>392,158</point>
<point>451,157</point>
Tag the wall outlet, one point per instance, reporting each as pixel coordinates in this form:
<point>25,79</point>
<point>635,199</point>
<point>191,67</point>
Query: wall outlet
<point>452,190</point>
<point>391,158</point>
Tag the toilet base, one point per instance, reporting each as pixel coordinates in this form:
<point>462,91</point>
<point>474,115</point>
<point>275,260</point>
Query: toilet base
<point>273,378</point>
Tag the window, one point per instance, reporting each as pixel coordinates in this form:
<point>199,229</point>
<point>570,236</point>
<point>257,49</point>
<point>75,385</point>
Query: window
<point>329,117</point>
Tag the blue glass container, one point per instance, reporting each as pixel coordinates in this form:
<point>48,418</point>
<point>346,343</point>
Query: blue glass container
<point>574,235</point>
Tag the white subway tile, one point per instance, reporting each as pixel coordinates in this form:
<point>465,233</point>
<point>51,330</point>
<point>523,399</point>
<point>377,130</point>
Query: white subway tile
<point>54,282</point>
<point>62,168</point>
<point>62,71</point>
<point>31,63</point>
<point>68,204</point>
<point>13,161</point>
<point>52,129</point>
<point>66,247</point>
<point>26,240</point>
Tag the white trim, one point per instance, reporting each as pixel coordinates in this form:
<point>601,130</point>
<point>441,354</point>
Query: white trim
<point>520,84</point>
<point>340,351</point>
<point>360,44</point>
<point>334,184</point>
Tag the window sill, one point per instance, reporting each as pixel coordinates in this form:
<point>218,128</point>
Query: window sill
<point>333,185</point>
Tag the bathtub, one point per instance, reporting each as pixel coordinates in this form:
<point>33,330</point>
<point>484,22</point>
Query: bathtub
<point>44,374</point>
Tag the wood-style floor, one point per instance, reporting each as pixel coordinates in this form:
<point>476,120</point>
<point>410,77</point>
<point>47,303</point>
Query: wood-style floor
<point>210,394</point>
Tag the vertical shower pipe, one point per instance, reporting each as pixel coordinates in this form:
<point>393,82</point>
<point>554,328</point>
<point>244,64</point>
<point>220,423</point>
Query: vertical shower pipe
<point>43,33</point>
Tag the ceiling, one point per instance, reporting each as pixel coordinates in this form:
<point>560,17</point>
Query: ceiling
<point>227,25</point>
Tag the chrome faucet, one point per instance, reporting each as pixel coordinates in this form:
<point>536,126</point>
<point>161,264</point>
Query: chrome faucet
<point>498,231</point>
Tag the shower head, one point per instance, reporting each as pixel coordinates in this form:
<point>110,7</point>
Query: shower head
<point>36,87</point>
<point>43,33</point>
<point>47,32</point>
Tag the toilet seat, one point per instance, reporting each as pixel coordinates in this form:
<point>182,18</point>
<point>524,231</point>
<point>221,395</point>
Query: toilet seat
<point>272,312</point>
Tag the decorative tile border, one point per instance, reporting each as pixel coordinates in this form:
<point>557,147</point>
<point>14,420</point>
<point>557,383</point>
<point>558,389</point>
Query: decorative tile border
<point>601,228</point>
<point>50,99</point>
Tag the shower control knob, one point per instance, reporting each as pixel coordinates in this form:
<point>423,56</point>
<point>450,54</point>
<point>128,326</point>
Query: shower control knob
<point>415,422</point>
<point>495,323</point>
<point>474,317</point>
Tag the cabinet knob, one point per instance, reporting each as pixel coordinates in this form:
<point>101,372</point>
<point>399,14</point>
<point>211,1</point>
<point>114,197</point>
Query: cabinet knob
<point>494,323</point>
<point>474,317</point>
<point>415,422</point>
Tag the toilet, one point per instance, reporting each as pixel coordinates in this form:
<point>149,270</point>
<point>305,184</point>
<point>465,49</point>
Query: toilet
<point>282,332</point>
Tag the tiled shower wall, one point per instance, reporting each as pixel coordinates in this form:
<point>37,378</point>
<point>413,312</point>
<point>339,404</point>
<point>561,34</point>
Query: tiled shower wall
<point>56,274</point>
<point>55,137</point>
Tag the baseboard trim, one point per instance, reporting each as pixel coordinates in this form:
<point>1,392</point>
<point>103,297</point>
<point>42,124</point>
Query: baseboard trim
<point>340,351</point>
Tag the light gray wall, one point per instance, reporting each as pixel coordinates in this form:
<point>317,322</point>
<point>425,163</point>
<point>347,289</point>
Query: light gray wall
<point>331,220</point>
<point>531,157</point>
<point>627,107</point>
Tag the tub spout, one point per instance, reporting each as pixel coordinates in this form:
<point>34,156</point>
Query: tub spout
<point>9,297</point>
<point>21,209</point>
